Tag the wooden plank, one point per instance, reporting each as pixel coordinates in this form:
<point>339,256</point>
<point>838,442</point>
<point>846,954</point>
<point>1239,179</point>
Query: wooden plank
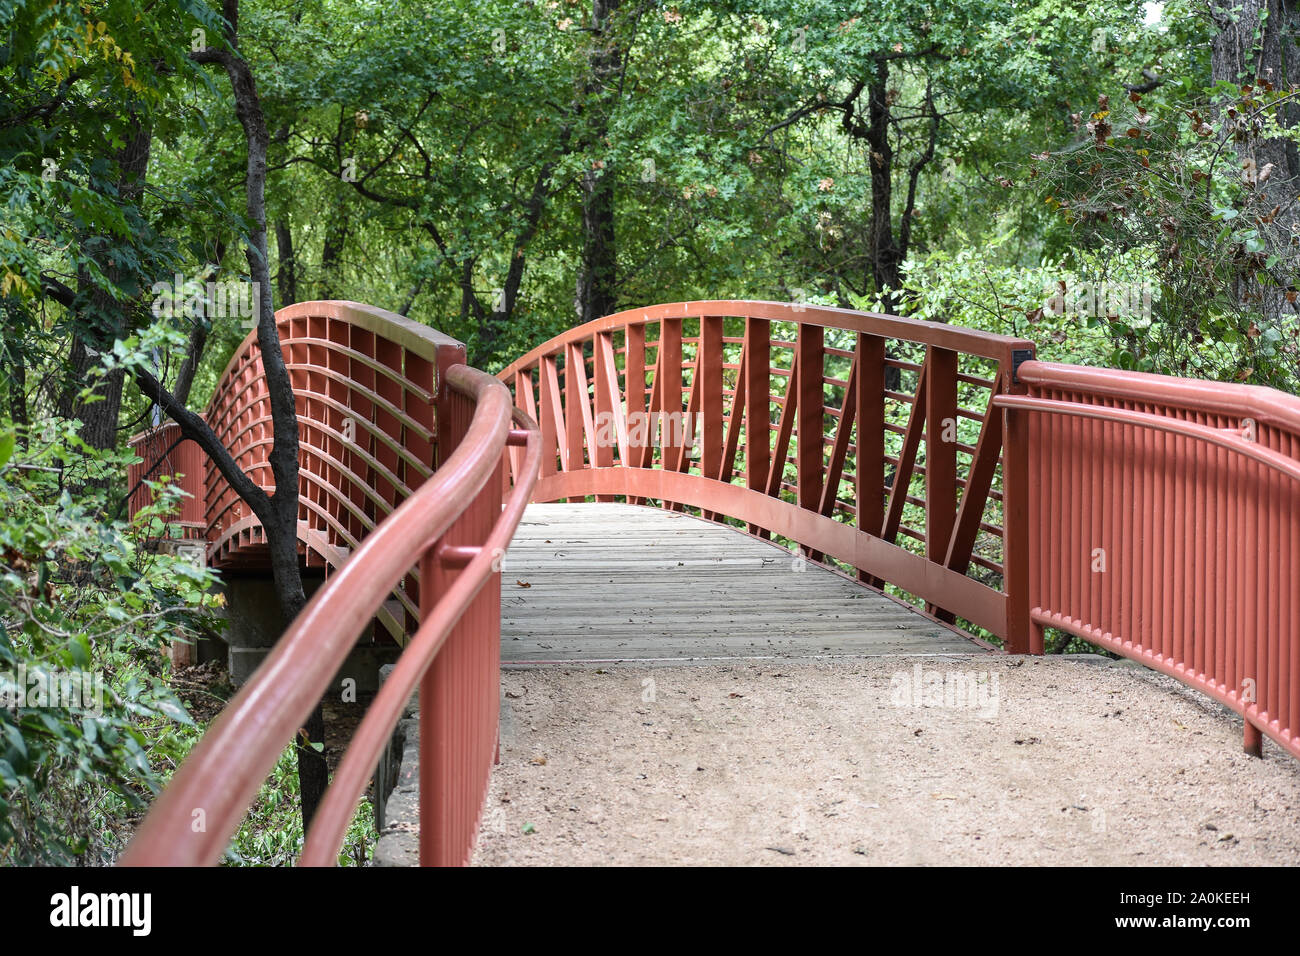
<point>622,582</point>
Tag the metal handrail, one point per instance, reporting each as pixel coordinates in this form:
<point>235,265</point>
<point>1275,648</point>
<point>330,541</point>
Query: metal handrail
<point>573,382</point>
<point>1199,546</point>
<point>358,765</point>
<point>221,777</point>
<point>1231,440</point>
<point>989,345</point>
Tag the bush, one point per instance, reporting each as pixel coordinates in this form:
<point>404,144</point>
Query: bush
<point>87,612</point>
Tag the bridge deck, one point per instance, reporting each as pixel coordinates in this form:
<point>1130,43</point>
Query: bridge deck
<point>609,582</point>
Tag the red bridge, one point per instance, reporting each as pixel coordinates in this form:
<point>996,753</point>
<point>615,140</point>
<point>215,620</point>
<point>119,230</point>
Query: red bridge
<point>1156,517</point>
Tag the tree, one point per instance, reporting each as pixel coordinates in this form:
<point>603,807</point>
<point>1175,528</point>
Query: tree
<point>1255,47</point>
<point>117,81</point>
<point>277,512</point>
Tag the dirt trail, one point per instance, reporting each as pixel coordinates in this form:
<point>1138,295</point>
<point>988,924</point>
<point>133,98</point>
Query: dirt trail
<point>1029,761</point>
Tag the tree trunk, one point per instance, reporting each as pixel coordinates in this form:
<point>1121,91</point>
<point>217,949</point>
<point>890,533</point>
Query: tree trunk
<point>886,256</point>
<point>597,272</point>
<point>286,276</point>
<point>331,257</point>
<point>279,514</point>
<point>102,320</point>
<point>1248,51</point>
<point>193,356</point>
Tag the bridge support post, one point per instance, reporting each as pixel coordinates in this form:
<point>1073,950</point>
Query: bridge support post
<point>1022,636</point>
<point>1253,742</point>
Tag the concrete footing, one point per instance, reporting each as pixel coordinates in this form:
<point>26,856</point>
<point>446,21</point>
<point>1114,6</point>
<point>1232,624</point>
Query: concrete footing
<point>253,626</point>
<point>397,792</point>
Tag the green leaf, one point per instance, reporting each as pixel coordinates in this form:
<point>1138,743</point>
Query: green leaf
<point>175,710</point>
<point>79,648</point>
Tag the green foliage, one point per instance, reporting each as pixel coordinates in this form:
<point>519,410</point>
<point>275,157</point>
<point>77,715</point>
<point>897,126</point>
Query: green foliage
<point>89,608</point>
<point>271,834</point>
<point>1161,191</point>
<point>427,156</point>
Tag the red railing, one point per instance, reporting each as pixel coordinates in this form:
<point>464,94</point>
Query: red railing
<point>454,529</point>
<point>1163,523</point>
<point>164,453</point>
<point>866,439</point>
<point>1153,516</point>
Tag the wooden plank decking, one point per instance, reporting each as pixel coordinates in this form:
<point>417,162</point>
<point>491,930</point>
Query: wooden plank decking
<point>609,582</point>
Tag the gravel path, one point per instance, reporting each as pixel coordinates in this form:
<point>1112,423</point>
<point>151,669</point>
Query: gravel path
<point>1026,761</point>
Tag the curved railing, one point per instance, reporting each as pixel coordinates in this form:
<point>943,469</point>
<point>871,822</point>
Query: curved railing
<point>166,454</point>
<point>1163,523</point>
<point>1154,516</point>
<point>869,440</point>
<point>365,386</point>
<point>453,528</point>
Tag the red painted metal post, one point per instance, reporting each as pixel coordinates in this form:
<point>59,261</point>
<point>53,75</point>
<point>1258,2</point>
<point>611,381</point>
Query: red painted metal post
<point>940,451</point>
<point>554,445</point>
<point>710,387</point>
<point>1023,635</point>
<point>459,694</point>
<point>575,401</point>
<point>758,405</point>
<point>606,389</point>
<point>634,394</point>
<point>869,471</point>
<point>809,458</point>
<point>670,391</point>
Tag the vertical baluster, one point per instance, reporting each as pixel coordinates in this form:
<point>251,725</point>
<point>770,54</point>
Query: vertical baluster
<point>1291,597</point>
<point>1251,595</point>
<point>1097,494</point>
<point>1219,477</point>
<point>1106,488</point>
<point>606,382</point>
<point>634,393</point>
<point>710,388</point>
<point>554,445</point>
<point>1202,559</point>
<point>758,405</point>
<point>670,392</point>
<point>1273,518</point>
<point>1021,636</point>
<point>811,419</point>
<point>940,452</point>
<point>869,475</point>
<point>575,400</point>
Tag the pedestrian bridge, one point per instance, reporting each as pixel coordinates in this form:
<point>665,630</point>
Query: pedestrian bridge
<point>825,481</point>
